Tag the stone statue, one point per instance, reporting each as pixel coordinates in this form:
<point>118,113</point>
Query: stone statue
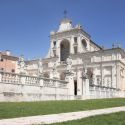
<point>93,78</point>
<point>21,61</point>
<point>98,81</point>
<point>55,70</point>
<point>84,73</point>
<point>22,66</point>
<point>40,67</point>
<point>69,64</point>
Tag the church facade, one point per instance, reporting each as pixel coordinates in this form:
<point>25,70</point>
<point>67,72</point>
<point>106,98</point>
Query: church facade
<point>90,70</point>
<point>74,68</point>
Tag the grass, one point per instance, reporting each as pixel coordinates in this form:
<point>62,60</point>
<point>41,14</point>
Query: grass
<point>110,119</point>
<point>22,109</point>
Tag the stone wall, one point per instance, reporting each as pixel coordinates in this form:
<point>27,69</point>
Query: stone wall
<point>15,87</point>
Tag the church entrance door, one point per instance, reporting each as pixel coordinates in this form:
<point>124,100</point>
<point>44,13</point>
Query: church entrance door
<point>75,87</point>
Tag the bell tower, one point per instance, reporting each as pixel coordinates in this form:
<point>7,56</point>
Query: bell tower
<point>69,39</point>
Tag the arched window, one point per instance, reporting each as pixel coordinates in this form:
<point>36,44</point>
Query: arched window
<point>64,50</point>
<point>84,43</point>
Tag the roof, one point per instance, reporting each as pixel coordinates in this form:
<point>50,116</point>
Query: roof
<point>103,51</point>
<point>32,61</point>
<point>95,44</point>
<point>10,57</point>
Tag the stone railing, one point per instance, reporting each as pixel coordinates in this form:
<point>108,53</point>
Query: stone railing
<point>97,91</point>
<point>13,78</point>
<point>6,77</point>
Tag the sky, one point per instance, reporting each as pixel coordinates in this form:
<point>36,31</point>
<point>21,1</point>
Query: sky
<point>25,25</point>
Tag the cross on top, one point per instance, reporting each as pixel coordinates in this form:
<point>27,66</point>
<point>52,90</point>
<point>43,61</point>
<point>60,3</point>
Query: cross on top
<point>65,13</point>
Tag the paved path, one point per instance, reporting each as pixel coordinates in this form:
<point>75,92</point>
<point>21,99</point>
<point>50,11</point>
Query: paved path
<point>53,118</point>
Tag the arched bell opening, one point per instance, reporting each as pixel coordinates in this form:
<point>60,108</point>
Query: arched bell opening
<point>64,50</point>
<point>84,44</point>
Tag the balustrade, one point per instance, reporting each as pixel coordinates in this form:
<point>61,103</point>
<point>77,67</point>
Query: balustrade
<point>6,77</point>
<point>32,80</point>
<point>9,78</point>
<point>101,91</point>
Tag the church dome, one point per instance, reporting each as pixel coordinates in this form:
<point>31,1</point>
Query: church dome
<point>65,24</point>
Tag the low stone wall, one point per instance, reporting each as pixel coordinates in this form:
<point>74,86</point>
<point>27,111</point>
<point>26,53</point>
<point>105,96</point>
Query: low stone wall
<point>14,87</point>
<point>104,92</point>
<point>19,92</point>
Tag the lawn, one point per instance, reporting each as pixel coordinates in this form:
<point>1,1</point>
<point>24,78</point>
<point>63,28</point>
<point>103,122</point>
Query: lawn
<point>21,109</point>
<point>110,119</point>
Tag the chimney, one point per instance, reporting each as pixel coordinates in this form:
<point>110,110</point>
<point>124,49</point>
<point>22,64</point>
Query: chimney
<point>8,52</point>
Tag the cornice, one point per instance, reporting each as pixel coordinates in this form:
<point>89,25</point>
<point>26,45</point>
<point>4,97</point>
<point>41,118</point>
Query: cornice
<point>99,52</point>
<point>74,31</point>
<point>49,59</point>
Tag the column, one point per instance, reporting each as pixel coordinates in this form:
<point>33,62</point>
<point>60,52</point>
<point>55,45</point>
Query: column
<point>79,83</point>
<point>70,85</point>
<point>85,83</point>
<point>41,82</point>
<point>23,79</point>
<point>58,48</point>
<point>0,77</point>
<point>118,76</point>
<point>79,45</point>
<point>113,77</point>
<point>71,45</point>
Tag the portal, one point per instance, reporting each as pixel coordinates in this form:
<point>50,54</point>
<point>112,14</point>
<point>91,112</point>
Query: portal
<point>75,87</point>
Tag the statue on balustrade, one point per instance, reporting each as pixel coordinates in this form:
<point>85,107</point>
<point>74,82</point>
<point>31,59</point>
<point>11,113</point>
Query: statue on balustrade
<point>69,65</point>
<point>84,72</point>
<point>40,68</point>
<point>55,70</point>
<point>22,65</point>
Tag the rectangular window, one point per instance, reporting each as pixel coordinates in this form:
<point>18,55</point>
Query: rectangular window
<point>75,50</point>
<point>75,39</point>
<point>2,69</point>
<point>13,70</point>
<point>1,60</point>
<point>54,43</point>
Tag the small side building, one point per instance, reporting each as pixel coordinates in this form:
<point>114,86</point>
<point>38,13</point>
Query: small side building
<point>8,62</point>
